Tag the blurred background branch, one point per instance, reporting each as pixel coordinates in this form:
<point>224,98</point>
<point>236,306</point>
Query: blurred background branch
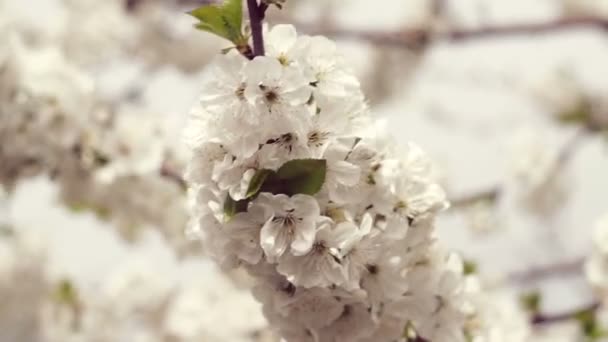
<point>420,39</point>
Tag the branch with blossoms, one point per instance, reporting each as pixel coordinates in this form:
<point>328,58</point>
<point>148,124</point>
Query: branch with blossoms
<point>291,184</point>
<point>134,297</point>
<point>103,160</point>
<point>290,181</point>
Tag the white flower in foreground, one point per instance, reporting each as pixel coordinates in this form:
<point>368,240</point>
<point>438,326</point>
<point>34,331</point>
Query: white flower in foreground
<point>281,44</point>
<point>334,223</point>
<point>321,266</point>
<point>326,69</point>
<point>280,93</point>
<point>292,226</point>
<point>244,233</point>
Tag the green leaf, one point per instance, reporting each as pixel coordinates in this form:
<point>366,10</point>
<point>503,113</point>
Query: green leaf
<point>578,114</point>
<point>66,293</point>
<point>232,207</point>
<point>257,181</point>
<point>300,176</point>
<point>224,20</point>
<point>589,325</point>
<point>469,267</point>
<point>6,230</point>
<point>531,301</point>
<point>101,212</point>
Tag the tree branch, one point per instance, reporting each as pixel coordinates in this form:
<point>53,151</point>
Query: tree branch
<point>418,39</point>
<point>548,271</point>
<point>256,16</point>
<point>169,173</point>
<point>543,319</point>
<point>491,194</point>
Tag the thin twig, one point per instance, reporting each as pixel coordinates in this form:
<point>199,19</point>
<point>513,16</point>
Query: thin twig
<point>543,319</point>
<point>493,193</point>
<point>256,16</point>
<point>567,152</point>
<point>548,271</point>
<point>169,173</point>
<point>418,39</point>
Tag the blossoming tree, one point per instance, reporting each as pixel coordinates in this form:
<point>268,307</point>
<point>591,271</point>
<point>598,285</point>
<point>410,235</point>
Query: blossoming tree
<point>322,225</point>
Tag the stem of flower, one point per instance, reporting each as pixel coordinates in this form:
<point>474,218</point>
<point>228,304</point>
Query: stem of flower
<point>256,16</point>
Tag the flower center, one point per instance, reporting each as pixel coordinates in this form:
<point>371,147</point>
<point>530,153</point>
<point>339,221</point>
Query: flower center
<point>372,269</point>
<point>240,92</point>
<point>317,138</point>
<point>319,247</point>
<point>288,220</point>
<point>270,94</point>
<point>283,60</point>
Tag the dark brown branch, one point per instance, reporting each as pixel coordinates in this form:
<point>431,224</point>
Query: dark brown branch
<point>169,173</point>
<point>542,319</point>
<point>420,38</point>
<point>133,5</point>
<point>531,29</point>
<point>417,339</point>
<point>548,271</point>
<point>256,17</point>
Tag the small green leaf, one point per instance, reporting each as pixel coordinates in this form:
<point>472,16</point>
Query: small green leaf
<point>257,181</point>
<point>232,207</point>
<point>589,325</point>
<point>579,114</point>
<point>302,176</point>
<point>77,207</point>
<point>469,267</point>
<point>101,212</point>
<point>66,293</point>
<point>6,230</point>
<point>409,333</point>
<point>531,301</point>
<point>224,20</point>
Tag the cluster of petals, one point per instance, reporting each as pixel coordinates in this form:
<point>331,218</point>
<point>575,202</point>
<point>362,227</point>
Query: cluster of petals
<point>355,261</point>
<point>110,160</point>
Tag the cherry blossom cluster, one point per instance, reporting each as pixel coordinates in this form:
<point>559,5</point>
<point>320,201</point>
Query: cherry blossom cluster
<point>137,300</point>
<point>105,159</point>
<point>291,180</point>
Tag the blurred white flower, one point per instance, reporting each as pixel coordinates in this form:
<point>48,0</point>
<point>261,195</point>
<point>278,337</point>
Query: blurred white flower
<point>539,178</point>
<point>596,266</point>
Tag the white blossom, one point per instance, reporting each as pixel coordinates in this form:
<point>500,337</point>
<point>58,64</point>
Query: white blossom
<point>350,260</point>
<point>292,226</point>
